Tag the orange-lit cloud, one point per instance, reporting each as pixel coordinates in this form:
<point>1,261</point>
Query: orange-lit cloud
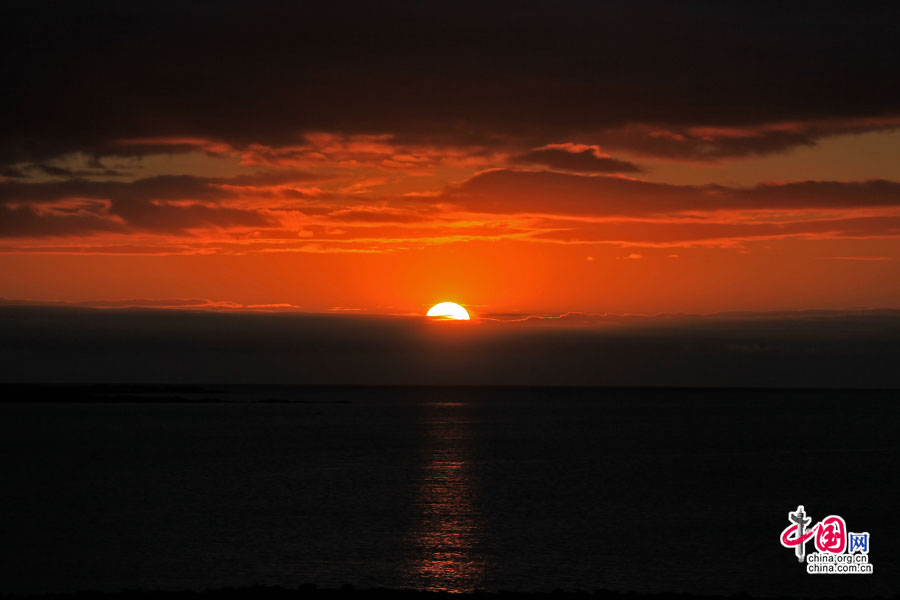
<point>520,161</point>
<point>545,192</point>
<point>574,157</point>
<point>674,233</point>
<point>716,142</point>
<point>266,211</point>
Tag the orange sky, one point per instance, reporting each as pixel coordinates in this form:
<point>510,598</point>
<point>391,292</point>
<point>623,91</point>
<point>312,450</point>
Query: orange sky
<point>393,158</point>
<point>365,224</point>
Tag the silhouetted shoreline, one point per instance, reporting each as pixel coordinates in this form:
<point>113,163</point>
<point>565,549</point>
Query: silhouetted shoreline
<point>151,393</point>
<point>349,592</point>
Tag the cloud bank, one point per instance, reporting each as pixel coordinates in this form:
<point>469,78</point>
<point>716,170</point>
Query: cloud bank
<point>689,80</point>
<point>812,349</point>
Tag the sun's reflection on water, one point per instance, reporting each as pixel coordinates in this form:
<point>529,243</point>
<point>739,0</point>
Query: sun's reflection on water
<point>445,543</point>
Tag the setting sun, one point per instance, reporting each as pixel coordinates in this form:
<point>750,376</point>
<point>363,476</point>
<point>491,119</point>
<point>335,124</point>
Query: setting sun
<point>448,310</point>
<point>675,228</point>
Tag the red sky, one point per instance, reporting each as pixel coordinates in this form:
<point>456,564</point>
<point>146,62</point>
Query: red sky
<point>318,187</point>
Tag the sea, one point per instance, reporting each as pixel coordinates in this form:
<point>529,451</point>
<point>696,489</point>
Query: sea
<point>441,488</point>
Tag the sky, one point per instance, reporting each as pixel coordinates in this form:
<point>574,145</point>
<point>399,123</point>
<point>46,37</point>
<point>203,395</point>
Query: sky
<point>520,158</point>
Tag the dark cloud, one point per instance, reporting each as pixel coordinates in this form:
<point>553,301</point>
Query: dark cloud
<point>55,171</point>
<point>691,145</point>
<point>175,204</point>
<point>815,349</point>
<point>84,76</point>
<point>680,232</point>
<point>583,160</point>
<point>162,187</point>
<point>25,222</point>
<point>508,191</point>
<point>819,194</point>
<point>375,216</point>
<point>176,218</point>
<point>710,143</point>
<point>266,178</point>
<point>175,303</point>
<point>169,203</point>
<point>13,172</point>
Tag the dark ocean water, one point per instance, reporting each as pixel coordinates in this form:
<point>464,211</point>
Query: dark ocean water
<point>644,490</point>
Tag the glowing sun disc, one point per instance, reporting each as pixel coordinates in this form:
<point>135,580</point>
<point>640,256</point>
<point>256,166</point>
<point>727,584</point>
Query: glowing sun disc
<point>448,310</point>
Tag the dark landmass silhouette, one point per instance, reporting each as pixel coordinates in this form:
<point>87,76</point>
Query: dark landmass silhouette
<point>348,592</point>
<point>143,393</point>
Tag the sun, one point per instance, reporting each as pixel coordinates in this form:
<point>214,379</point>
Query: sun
<point>448,310</point>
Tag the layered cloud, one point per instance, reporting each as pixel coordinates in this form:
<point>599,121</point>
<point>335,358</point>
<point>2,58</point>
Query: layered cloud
<point>690,81</point>
<point>204,304</point>
<point>848,349</point>
<point>571,157</point>
<point>175,129</point>
<point>513,191</point>
<point>164,204</point>
<point>705,143</point>
<point>282,210</point>
<point>674,233</point>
